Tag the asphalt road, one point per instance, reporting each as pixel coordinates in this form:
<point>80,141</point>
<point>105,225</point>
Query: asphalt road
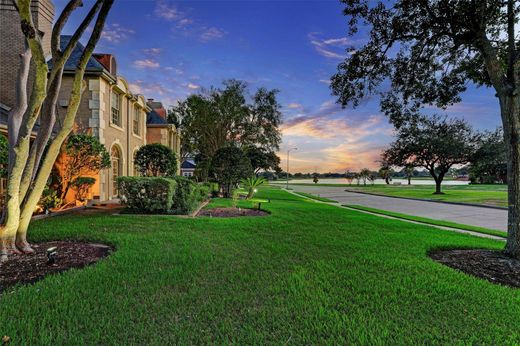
<point>467,215</point>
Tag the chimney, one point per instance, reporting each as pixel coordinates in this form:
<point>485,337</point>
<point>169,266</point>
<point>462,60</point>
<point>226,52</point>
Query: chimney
<point>158,107</point>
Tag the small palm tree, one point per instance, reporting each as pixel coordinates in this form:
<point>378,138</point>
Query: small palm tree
<point>251,184</point>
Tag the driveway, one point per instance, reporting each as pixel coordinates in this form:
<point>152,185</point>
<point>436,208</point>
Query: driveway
<point>466,215</point>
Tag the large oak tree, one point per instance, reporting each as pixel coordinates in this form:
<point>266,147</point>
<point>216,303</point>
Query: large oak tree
<point>428,51</point>
<point>218,117</point>
<point>433,143</point>
<point>31,162</point>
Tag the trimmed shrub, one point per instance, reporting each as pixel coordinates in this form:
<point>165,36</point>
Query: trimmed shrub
<point>147,195</point>
<point>155,160</point>
<point>188,195</point>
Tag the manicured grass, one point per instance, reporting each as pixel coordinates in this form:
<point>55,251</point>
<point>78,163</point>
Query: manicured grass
<point>309,273</point>
<point>431,221</point>
<point>318,198</point>
<point>493,195</point>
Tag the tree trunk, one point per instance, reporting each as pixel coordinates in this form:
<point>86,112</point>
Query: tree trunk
<point>510,108</point>
<point>409,180</point>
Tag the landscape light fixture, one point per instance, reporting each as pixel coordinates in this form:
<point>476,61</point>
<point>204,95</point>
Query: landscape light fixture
<point>51,255</point>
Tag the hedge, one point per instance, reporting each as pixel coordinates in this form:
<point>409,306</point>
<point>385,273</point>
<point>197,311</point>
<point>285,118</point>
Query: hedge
<point>188,195</point>
<point>157,195</point>
<point>147,195</point>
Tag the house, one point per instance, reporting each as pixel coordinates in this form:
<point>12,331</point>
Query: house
<point>121,120</point>
<point>159,131</point>
<point>188,168</point>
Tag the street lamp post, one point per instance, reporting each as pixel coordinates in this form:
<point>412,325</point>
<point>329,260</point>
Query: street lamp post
<point>287,173</point>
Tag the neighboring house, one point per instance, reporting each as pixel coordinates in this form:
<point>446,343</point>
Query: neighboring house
<point>188,168</point>
<point>108,109</point>
<point>159,131</point>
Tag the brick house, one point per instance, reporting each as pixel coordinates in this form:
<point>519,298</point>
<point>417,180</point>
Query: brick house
<point>108,109</point>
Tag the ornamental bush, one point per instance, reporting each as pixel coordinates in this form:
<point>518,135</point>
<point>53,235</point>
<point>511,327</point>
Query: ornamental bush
<point>154,160</point>
<point>188,195</point>
<point>147,195</point>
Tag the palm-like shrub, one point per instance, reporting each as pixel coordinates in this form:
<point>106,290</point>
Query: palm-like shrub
<point>251,184</point>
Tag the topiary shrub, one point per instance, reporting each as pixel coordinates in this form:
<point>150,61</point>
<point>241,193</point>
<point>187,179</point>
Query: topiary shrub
<point>188,195</point>
<point>147,195</point>
<point>154,160</point>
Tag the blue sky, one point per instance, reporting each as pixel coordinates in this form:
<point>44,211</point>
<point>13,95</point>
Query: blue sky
<point>170,49</point>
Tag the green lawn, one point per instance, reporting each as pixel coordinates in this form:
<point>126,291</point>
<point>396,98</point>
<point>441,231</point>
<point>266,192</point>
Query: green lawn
<point>307,274</point>
<point>493,195</point>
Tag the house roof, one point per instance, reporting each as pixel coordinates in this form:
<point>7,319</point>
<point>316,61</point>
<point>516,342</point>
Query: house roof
<point>72,63</point>
<point>188,164</point>
<point>153,118</point>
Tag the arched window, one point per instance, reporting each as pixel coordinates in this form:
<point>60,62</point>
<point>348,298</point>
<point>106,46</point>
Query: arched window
<point>117,168</point>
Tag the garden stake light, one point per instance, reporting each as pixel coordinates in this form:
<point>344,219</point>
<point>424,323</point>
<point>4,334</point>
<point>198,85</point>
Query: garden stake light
<point>51,255</point>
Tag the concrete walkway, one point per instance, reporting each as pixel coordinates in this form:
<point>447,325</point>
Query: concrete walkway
<point>466,215</point>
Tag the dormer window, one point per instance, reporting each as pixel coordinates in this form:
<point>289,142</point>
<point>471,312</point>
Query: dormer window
<point>116,108</point>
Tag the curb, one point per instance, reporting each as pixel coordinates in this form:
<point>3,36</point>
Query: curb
<point>431,201</point>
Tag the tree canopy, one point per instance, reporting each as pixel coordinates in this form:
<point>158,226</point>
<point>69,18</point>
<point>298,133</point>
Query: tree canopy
<point>155,160</point>
<point>489,162</point>
<point>434,143</point>
<point>83,155</point>
<point>424,53</point>
<point>218,117</point>
<point>262,159</point>
<point>229,166</point>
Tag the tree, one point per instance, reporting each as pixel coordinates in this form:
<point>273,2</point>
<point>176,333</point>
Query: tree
<point>156,160</point>
<point>489,162</point>
<point>252,183</point>
<point>228,167</point>
<point>81,185</point>
<point>349,176</point>
<point>364,174</point>
<point>434,143</point>
<point>315,178</point>
<point>409,171</point>
<point>83,155</point>
<point>385,172</point>
<point>429,51</point>
<point>30,162</point>
<point>219,117</point>
<point>262,159</point>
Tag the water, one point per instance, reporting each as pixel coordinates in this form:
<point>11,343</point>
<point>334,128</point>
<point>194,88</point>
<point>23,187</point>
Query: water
<point>377,181</point>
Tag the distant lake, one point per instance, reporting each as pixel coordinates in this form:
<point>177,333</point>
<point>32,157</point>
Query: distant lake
<point>377,181</point>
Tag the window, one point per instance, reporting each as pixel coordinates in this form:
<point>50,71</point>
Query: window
<point>116,108</point>
<point>116,168</point>
<point>137,121</point>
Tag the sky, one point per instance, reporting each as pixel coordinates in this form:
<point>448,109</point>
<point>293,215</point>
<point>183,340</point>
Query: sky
<point>168,50</point>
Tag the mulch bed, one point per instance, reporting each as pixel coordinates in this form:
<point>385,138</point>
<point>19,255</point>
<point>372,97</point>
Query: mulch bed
<point>33,267</point>
<point>231,212</point>
<point>492,266</point>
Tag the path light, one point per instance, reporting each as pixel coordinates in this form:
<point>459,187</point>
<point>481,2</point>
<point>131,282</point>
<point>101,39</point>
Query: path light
<point>51,255</point>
